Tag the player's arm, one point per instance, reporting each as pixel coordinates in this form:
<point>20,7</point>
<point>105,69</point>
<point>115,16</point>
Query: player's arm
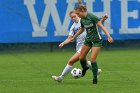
<point>105,31</point>
<point>65,42</point>
<point>81,30</point>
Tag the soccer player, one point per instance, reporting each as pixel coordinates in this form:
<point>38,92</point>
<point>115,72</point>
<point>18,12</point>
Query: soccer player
<point>79,43</point>
<point>93,39</point>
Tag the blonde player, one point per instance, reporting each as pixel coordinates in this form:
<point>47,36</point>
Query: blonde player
<point>93,39</point>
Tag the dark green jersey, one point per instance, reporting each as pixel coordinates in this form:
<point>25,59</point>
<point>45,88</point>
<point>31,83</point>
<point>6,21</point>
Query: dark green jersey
<point>90,24</point>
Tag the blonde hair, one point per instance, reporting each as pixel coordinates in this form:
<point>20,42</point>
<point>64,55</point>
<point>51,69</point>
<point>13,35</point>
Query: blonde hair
<point>79,2</point>
<point>81,8</point>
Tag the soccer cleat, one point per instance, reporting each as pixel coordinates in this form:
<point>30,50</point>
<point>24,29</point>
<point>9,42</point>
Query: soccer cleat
<point>84,71</point>
<point>95,81</point>
<point>57,78</point>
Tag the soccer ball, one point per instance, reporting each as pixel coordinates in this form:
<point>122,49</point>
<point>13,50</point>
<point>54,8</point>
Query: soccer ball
<point>76,72</point>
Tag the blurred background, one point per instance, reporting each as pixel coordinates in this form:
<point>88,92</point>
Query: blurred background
<point>43,24</point>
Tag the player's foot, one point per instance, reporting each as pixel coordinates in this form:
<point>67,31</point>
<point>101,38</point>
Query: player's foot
<point>99,71</point>
<point>57,78</point>
<point>84,71</point>
<point>95,81</point>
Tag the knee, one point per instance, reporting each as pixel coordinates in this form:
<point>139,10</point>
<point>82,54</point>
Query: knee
<point>92,59</point>
<point>71,62</point>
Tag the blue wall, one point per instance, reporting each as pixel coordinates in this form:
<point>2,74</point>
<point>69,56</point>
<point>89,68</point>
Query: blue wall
<point>17,24</point>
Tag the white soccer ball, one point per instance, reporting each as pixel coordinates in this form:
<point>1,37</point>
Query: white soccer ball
<point>76,72</point>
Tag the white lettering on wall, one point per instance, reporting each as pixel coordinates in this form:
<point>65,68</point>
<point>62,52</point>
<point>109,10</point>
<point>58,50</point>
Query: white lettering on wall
<point>124,18</point>
<point>50,9</point>
<point>61,28</point>
<point>39,30</point>
<point>107,10</point>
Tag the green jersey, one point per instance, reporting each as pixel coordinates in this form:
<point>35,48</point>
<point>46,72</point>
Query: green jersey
<point>90,24</point>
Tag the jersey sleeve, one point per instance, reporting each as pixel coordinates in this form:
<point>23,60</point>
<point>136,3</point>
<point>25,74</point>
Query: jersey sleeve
<point>71,33</point>
<point>94,18</point>
<point>81,23</point>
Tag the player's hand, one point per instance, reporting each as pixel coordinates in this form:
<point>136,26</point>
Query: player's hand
<point>61,45</point>
<point>105,17</point>
<point>110,39</point>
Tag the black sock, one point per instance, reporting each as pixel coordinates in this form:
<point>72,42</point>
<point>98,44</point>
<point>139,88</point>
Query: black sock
<point>83,63</point>
<point>94,69</point>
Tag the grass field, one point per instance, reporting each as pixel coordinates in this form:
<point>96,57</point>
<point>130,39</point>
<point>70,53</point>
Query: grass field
<point>30,72</point>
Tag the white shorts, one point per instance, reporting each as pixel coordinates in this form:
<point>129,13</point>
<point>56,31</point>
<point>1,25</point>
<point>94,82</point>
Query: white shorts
<point>79,50</point>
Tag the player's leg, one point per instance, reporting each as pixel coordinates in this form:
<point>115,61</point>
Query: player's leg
<point>84,51</point>
<point>70,63</point>
<point>67,68</point>
<point>88,61</point>
<point>94,54</point>
<point>90,67</point>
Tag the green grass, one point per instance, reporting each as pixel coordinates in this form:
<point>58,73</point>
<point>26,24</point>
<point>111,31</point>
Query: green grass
<point>30,72</point>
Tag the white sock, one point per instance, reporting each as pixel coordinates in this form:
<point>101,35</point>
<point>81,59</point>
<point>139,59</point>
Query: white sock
<point>89,65</point>
<point>66,70</point>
